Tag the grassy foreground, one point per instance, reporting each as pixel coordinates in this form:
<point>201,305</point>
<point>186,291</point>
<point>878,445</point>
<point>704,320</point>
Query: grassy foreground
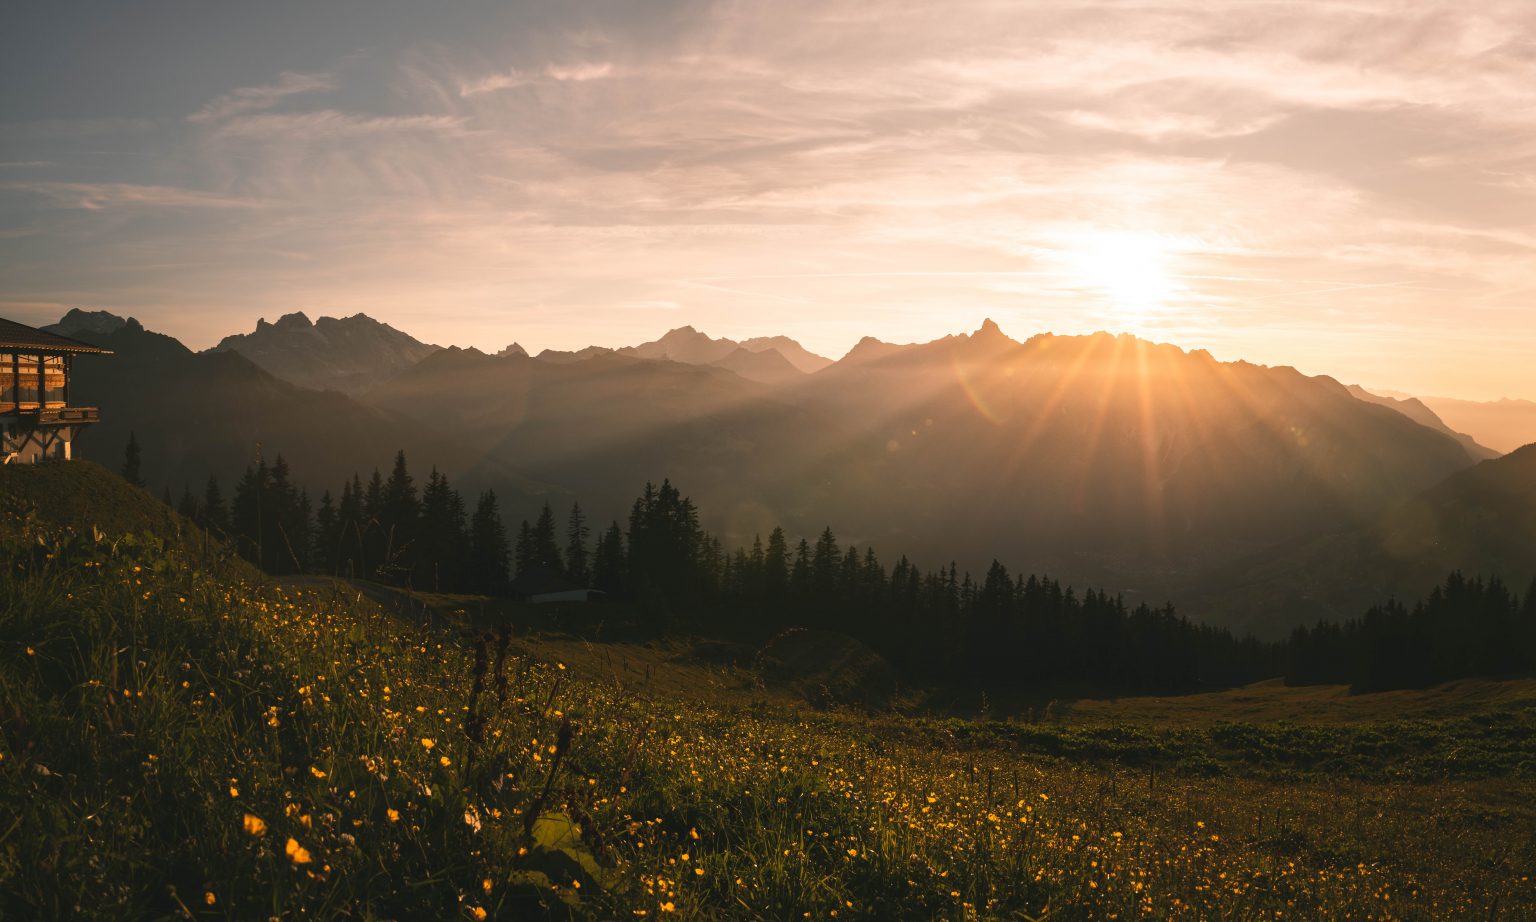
<point>177,742</point>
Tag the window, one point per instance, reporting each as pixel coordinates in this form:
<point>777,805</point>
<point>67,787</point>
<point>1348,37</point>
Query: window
<point>26,380</point>
<point>53,380</point>
<point>7,381</point>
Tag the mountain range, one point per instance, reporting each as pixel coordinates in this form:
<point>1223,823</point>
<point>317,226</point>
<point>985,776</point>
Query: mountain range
<point>1250,495</point>
<point>350,354</point>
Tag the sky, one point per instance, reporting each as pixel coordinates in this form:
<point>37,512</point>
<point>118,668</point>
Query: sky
<point>1346,187</point>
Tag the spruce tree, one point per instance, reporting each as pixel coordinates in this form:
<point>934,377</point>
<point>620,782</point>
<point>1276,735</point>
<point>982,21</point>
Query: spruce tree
<point>488,550</point>
<point>576,533</point>
<point>546,548</point>
<point>608,561</point>
<point>327,535</point>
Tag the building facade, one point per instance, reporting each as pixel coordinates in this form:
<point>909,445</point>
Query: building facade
<point>37,420</point>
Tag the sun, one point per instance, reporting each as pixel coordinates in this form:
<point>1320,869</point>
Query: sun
<point>1127,271</point>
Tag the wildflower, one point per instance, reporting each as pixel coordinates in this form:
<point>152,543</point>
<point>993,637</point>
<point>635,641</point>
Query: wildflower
<point>209,898</point>
<point>234,791</point>
<point>255,825</point>
<point>478,913</point>
<point>316,771</point>
<point>445,761</point>
<point>428,743</point>
<point>393,814</point>
<point>297,853</point>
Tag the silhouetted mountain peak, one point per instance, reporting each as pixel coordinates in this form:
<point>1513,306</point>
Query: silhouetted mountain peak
<point>297,320</point>
<point>350,354</point>
<point>514,349</point>
<point>81,321</point>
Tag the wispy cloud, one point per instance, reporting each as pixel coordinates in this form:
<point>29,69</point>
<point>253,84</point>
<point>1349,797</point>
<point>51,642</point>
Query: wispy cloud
<point>259,98</point>
<point>559,73</point>
<point>98,196</point>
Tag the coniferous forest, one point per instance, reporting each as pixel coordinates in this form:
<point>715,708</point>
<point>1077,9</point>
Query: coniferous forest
<point>659,573</point>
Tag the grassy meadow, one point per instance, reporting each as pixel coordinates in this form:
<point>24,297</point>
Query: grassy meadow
<point>180,738</point>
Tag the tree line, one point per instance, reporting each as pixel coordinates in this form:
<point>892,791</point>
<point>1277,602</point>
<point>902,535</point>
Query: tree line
<point>1003,632</point>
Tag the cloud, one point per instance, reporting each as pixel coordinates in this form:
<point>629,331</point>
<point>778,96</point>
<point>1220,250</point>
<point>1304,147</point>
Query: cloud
<point>512,79</point>
<point>258,98</point>
<point>98,196</point>
<point>330,123</point>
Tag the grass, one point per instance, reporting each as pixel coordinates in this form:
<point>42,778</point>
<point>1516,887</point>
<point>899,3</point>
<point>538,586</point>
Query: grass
<point>180,743</point>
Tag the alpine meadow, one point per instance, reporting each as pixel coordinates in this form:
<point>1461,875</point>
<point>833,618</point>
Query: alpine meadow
<point>740,461</point>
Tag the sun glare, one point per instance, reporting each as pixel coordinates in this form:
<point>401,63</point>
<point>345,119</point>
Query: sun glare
<point>1127,270</point>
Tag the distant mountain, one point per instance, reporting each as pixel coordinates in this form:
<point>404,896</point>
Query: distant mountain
<point>199,413</point>
<point>1481,521</point>
<point>513,349</point>
<point>689,346</point>
<point>78,321</point>
<point>1105,460</point>
<point>1504,425</point>
<point>796,354</point>
<point>350,354</point>
<point>556,357</point>
<point>768,366</point>
<point>1414,409</point>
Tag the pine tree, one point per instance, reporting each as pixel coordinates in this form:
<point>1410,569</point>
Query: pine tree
<point>608,561</point>
<point>488,550</point>
<point>399,513</point>
<point>525,557</point>
<point>132,462</point>
<point>576,534</point>
<point>443,538</point>
<point>546,549</point>
<point>327,536</point>
<point>249,514</point>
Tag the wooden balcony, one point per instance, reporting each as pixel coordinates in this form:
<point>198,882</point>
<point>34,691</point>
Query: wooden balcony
<point>38,417</point>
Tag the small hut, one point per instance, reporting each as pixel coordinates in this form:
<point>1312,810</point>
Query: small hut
<point>36,418</point>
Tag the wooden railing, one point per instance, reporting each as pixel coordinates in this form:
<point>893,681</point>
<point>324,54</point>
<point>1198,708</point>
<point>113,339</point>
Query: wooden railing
<point>56,416</point>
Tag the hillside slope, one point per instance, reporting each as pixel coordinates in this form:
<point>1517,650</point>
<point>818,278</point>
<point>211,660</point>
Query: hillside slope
<point>199,413</point>
<point>1481,521</point>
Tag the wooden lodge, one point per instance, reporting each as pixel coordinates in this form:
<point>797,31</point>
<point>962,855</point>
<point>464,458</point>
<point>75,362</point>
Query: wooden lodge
<point>36,419</point>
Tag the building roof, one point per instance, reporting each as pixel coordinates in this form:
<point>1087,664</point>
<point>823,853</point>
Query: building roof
<point>22,338</point>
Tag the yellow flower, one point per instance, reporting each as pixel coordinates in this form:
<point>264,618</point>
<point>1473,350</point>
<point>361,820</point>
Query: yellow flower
<point>297,853</point>
<point>393,814</point>
<point>255,825</point>
<point>428,743</point>
<point>445,761</point>
<point>668,907</point>
<point>234,791</point>
<point>209,898</point>
<point>478,913</point>
<point>316,771</point>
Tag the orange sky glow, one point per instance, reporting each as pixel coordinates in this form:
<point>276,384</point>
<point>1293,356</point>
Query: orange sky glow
<point>1346,187</point>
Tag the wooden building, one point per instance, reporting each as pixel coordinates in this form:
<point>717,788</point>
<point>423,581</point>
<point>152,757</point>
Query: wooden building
<point>36,419</point>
